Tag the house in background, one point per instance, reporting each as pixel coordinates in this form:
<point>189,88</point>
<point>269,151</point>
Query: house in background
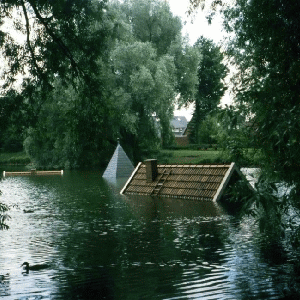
<point>179,126</point>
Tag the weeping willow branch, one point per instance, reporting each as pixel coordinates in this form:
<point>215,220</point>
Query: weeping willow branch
<point>31,50</point>
<point>56,38</point>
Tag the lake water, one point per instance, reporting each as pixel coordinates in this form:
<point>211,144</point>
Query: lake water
<point>103,245</point>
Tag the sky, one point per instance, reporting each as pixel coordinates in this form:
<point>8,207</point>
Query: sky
<point>196,26</point>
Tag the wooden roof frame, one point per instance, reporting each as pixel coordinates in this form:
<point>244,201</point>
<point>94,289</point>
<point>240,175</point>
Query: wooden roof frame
<point>130,178</point>
<point>232,168</point>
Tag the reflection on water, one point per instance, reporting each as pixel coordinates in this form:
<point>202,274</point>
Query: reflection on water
<point>101,245</point>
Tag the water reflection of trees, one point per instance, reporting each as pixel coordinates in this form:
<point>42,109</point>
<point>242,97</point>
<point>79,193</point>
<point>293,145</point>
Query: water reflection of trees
<point>212,241</point>
<point>89,283</point>
<point>4,285</point>
<point>176,234</point>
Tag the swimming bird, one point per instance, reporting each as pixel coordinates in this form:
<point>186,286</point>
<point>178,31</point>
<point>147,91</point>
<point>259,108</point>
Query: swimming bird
<point>28,211</point>
<point>26,267</point>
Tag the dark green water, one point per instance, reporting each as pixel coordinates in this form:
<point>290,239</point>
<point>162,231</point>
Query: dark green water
<point>101,245</point>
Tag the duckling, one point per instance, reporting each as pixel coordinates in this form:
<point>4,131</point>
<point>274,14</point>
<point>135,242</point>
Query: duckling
<point>26,267</point>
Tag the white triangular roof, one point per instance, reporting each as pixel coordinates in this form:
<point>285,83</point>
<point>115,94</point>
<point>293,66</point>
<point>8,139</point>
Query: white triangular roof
<point>119,165</point>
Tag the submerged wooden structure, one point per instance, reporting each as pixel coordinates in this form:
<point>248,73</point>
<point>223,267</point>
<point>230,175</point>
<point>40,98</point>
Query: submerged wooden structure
<point>32,172</point>
<point>202,182</point>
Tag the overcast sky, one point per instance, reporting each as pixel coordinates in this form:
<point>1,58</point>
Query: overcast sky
<point>197,25</point>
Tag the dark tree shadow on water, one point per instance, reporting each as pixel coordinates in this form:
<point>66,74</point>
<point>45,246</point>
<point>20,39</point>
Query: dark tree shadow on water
<point>87,284</point>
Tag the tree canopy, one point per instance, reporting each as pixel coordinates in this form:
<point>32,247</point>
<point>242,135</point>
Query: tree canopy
<point>210,86</point>
<point>93,71</point>
<point>265,50</point>
<point>267,54</point>
<point>58,37</point>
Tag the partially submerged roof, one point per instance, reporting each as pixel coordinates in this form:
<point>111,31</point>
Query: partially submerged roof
<point>202,182</point>
<point>119,165</point>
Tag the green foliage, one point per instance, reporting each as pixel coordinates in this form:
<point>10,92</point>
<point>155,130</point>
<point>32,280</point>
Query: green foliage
<point>12,122</point>
<point>145,69</point>
<point>233,133</point>
<point>209,129</point>
<point>152,21</point>
<point>267,57</point>
<point>149,82</point>
<point>186,59</point>
<point>187,156</point>
<point>63,127</point>
<point>75,126</point>
<point>7,158</point>
<point>210,86</point>
<point>63,43</point>
<point>266,204</point>
<point>95,71</point>
<point>211,72</point>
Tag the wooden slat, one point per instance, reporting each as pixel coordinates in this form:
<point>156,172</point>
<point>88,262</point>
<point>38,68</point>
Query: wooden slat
<point>33,172</point>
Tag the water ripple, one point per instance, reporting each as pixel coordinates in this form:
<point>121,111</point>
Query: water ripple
<point>101,245</point>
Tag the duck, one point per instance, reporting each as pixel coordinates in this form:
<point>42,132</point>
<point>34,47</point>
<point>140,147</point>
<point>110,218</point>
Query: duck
<point>28,211</point>
<point>27,267</point>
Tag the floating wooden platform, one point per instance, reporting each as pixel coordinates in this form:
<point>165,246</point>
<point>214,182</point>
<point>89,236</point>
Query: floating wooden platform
<point>33,173</point>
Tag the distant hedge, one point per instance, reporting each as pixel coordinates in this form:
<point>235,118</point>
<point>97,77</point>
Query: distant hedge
<point>194,147</point>
<point>16,158</point>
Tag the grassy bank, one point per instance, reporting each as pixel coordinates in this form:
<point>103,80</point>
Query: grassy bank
<point>189,156</point>
<point>182,156</point>
<point>16,158</point>
<point>250,157</point>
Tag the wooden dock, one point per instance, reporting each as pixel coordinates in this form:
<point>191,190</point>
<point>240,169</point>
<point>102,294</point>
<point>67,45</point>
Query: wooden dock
<point>33,172</point>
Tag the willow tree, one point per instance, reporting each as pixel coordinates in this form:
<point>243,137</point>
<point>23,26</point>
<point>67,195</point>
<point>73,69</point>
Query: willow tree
<point>148,81</point>
<point>146,65</point>
<point>57,37</point>
<point>265,50</point>
<point>66,42</point>
<point>267,53</point>
<point>152,21</point>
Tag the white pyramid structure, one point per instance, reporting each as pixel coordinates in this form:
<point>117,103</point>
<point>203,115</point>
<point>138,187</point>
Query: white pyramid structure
<point>119,165</point>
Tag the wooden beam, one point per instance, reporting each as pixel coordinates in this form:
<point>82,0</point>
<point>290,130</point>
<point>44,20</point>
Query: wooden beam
<point>130,178</point>
<point>224,182</point>
<point>33,173</point>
